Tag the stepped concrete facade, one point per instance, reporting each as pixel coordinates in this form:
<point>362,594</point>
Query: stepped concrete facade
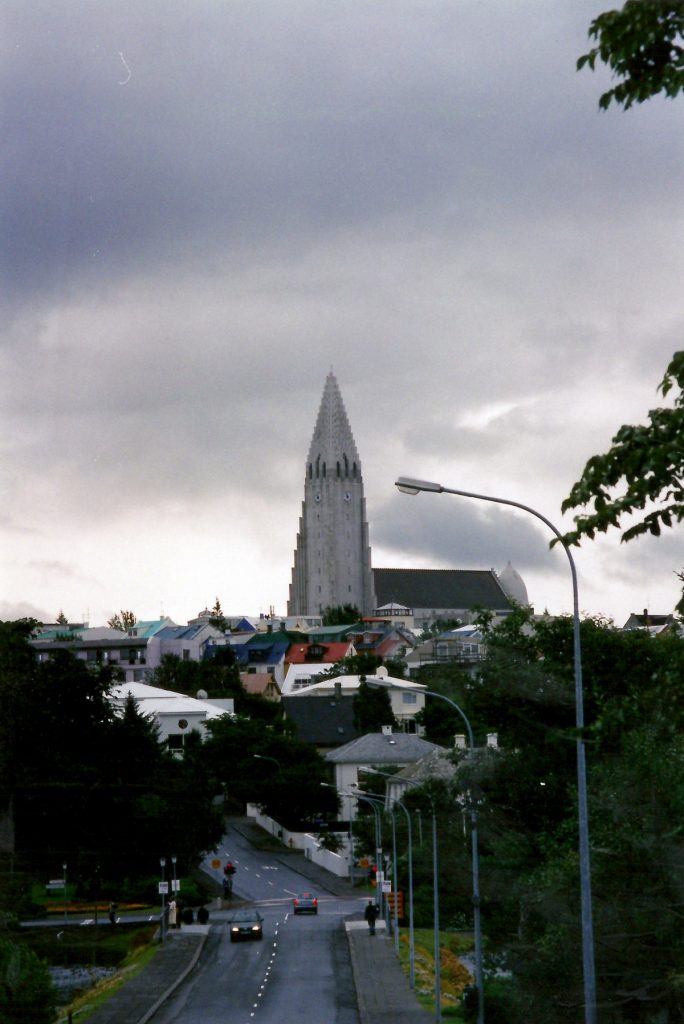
<point>332,559</point>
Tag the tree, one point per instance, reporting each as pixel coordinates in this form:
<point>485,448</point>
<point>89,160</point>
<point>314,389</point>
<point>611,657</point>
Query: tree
<point>26,990</point>
<point>341,615</point>
<point>640,44</point>
<point>647,462</point>
<point>62,619</point>
<point>372,708</point>
<point>218,619</point>
<point>123,621</point>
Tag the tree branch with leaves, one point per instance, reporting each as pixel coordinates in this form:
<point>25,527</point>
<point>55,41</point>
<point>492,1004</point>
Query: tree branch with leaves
<point>640,43</point>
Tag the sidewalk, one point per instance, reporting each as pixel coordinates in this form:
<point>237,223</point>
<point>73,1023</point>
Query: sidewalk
<point>139,999</point>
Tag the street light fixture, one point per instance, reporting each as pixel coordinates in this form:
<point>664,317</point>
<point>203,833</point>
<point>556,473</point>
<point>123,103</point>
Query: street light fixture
<point>477,927</point>
<point>412,946</point>
<point>265,757</point>
<point>162,865</point>
<point>378,833</point>
<point>410,486</point>
<point>174,884</point>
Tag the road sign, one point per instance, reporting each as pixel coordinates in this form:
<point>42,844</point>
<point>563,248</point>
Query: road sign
<point>387,887</point>
<point>399,897</point>
<point>163,888</point>
<point>175,884</point>
<point>216,863</point>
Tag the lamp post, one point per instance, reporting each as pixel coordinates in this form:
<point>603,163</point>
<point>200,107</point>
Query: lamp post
<point>64,879</point>
<point>412,945</point>
<point>174,884</point>
<point>378,849</point>
<point>162,892</point>
<point>265,757</point>
<point>438,957</point>
<point>411,486</point>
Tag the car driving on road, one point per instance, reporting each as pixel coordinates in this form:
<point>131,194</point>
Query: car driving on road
<point>305,903</point>
<point>246,924</point>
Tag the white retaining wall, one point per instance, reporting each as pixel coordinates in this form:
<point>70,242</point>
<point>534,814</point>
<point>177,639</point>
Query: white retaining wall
<point>337,863</point>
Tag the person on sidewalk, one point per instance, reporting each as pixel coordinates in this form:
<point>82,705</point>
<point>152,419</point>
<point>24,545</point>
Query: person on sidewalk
<point>371,915</point>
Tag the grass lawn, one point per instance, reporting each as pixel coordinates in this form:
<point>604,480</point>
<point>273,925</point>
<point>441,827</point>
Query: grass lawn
<point>454,977</point>
<point>139,956</point>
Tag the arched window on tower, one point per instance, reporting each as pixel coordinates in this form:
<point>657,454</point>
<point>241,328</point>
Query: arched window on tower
<point>346,465</point>
<point>324,469</point>
<point>338,469</point>
<point>310,471</point>
<point>318,466</point>
<point>354,470</point>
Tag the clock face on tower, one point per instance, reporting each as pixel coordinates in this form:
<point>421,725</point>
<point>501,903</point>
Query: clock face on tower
<point>318,497</point>
<point>347,496</point>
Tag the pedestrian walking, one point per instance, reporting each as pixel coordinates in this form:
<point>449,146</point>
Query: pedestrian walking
<point>371,915</point>
<point>112,913</point>
<point>172,912</point>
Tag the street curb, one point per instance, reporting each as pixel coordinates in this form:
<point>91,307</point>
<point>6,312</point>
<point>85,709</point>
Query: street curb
<point>360,1000</point>
<point>172,988</point>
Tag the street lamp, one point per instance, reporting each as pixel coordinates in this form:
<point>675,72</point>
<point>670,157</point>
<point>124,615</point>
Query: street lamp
<point>174,884</point>
<point>265,757</point>
<point>410,486</point>
<point>64,880</point>
<point>162,892</point>
<point>378,834</point>
<point>412,946</point>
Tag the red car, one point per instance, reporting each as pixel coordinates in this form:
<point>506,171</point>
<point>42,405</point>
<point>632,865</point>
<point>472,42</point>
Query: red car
<point>305,903</point>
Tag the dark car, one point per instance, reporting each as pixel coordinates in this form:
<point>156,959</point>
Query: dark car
<point>305,903</point>
<point>246,924</point>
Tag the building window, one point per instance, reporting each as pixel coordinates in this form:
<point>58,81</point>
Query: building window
<point>186,654</point>
<point>175,741</point>
<point>408,698</point>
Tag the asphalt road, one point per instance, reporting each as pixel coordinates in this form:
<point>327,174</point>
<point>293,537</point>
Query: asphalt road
<point>299,971</point>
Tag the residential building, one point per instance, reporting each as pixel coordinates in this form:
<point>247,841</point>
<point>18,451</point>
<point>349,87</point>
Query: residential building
<point>174,714</point>
<point>407,698</point>
<point>384,750</point>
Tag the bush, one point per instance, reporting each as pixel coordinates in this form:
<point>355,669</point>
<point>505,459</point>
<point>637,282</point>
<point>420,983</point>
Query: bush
<point>27,990</point>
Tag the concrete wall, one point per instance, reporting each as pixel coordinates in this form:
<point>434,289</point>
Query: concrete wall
<point>337,863</point>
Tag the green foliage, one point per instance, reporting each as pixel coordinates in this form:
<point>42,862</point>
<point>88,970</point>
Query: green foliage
<point>218,619</point>
<point>123,621</point>
<point>26,991</point>
<point>640,43</point>
<point>646,462</point>
<point>90,787</point>
<point>341,615</point>
<point>285,780</point>
<point>372,708</point>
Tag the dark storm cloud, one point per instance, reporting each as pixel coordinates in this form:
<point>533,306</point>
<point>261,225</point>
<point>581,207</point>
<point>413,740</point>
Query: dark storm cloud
<point>447,532</point>
<point>158,133</point>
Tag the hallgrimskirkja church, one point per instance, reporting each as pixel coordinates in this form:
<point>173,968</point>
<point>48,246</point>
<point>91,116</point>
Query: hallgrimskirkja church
<point>332,559</point>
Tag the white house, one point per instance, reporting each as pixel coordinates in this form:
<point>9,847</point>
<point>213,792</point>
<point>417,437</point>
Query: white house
<point>375,750</point>
<point>406,697</point>
<point>175,714</point>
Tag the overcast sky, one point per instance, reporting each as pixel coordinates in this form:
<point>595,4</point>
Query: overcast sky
<point>207,206</point>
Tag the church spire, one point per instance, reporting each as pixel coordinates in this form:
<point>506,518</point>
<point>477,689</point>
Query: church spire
<point>332,444</point>
<point>332,558</point>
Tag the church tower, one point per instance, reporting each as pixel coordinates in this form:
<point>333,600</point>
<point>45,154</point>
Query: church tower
<point>332,561</point>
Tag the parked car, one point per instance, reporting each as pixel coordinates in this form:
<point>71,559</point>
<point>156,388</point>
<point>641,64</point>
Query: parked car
<point>305,903</point>
<point>246,924</point>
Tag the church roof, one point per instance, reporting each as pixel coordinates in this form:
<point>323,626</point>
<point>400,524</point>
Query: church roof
<point>440,588</point>
<point>332,436</point>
